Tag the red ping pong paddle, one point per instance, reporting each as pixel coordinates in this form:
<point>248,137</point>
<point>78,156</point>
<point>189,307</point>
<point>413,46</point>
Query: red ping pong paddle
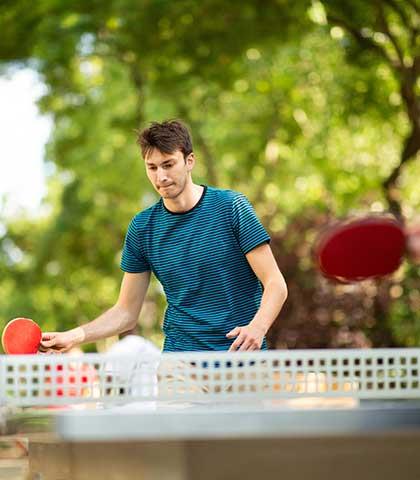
<point>21,336</point>
<point>362,248</point>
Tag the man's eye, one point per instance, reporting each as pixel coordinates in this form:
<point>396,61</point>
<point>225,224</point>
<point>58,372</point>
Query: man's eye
<point>168,166</point>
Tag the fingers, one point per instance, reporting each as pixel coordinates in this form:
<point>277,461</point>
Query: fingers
<point>48,339</point>
<point>48,344</point>
<point>44,349</point>
<point>48,335</point>
<point>238,342</point>
<point>249,346</point>
<point>233,333</point>
<point>51,348</point>
<point>245,342</point>
<point>50,352</point>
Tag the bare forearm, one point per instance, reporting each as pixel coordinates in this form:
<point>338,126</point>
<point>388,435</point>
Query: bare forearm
<point>274,296</point>
<point>112,322</point>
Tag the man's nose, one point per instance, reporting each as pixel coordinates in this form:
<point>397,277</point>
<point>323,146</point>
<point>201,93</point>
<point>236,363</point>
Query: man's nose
<point>161,176</point>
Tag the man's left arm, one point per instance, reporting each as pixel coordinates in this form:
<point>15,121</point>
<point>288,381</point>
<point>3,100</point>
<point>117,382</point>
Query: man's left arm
<point>264,265</point>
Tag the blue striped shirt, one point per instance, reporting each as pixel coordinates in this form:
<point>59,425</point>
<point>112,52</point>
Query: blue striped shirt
<point>199,258</point>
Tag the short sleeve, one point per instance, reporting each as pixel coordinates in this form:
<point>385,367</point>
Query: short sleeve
<point>133,260</point>
<point>247,228</point>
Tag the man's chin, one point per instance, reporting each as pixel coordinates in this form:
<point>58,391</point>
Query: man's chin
<point>168,193</point>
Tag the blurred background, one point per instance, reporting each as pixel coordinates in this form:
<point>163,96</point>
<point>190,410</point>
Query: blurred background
<point>311,109</point>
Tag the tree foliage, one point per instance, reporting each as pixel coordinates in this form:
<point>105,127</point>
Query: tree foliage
<point>309,108</point>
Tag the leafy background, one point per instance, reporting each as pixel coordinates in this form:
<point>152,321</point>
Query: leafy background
<point>311,109</point>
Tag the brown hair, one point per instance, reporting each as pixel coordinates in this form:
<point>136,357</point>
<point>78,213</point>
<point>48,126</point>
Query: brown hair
<point>167,137</point>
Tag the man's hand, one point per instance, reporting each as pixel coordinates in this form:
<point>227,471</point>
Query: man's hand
<point>60,342</point>
<point>248,338</point>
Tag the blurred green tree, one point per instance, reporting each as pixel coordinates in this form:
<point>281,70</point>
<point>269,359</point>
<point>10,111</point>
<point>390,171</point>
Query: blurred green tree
<point>306,107</point>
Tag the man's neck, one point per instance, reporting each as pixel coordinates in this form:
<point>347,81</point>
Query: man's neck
<point>186,200</point>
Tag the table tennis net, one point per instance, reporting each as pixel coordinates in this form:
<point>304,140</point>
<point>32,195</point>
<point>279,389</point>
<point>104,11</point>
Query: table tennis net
<point>48,380</point>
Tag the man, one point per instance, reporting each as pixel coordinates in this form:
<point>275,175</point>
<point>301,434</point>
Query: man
<point>207,248</point>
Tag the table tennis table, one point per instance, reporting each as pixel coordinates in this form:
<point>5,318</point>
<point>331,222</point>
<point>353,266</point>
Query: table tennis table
<point>309,414</point>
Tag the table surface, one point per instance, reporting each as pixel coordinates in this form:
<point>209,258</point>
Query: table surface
<point>257,419</point>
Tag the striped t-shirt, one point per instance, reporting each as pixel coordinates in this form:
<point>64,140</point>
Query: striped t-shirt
<point>199,258</point>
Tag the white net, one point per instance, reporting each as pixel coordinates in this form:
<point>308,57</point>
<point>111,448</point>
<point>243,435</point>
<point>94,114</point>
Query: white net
<point>49,380</point>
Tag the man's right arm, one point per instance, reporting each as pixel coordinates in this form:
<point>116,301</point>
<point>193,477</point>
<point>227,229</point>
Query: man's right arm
<point>121,317</point>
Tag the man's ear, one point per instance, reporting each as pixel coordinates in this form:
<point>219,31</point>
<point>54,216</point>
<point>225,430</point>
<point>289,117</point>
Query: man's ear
<point>190,161</point>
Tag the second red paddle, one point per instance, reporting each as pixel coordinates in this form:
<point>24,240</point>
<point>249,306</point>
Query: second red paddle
<point>358,249</point>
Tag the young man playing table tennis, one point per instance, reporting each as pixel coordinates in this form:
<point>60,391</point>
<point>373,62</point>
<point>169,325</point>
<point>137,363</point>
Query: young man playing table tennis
<point>207,248</point>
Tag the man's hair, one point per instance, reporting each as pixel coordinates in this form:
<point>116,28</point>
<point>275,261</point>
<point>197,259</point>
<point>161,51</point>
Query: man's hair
<point>167,137</point>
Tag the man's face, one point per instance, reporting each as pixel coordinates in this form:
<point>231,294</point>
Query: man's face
<point>168,172</point>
